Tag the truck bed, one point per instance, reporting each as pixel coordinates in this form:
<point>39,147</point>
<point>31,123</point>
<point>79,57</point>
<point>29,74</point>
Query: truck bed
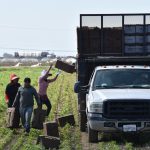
<point>114,35</point>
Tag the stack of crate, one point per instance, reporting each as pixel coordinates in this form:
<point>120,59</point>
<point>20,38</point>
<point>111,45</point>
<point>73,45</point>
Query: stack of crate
<point>89,40</point>
<point>112,40</point>
<point>134,39</point>
<point>148,38</point>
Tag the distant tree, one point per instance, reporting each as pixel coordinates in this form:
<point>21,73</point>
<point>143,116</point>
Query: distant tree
<point>6,55</point>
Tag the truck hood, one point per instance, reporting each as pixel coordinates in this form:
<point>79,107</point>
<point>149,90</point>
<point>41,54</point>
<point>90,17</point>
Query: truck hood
<point>104,94</point>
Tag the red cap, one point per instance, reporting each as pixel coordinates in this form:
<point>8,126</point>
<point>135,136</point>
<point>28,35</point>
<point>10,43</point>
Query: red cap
<point>13,77</point>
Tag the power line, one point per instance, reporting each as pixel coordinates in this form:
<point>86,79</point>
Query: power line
<point>31,49</point>
<point>33,28</point>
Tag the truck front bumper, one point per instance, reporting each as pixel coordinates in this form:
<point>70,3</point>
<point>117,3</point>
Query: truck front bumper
<point>99,123</point>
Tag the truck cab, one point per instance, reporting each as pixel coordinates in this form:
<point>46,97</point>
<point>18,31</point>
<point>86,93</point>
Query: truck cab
<point>118,100</point>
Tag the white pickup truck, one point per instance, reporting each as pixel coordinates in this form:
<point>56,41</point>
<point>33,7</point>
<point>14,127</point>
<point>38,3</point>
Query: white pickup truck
<point>118,100</point>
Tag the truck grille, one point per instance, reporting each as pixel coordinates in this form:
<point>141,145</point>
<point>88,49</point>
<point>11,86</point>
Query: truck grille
<point>126,109</point>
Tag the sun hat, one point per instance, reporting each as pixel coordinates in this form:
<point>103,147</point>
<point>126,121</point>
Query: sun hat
<point>13,77</point>
<point>43,73</point>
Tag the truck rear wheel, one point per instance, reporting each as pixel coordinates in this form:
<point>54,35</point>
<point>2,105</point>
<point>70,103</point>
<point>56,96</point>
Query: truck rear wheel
<point>92,135</point>
<point>82,121</point>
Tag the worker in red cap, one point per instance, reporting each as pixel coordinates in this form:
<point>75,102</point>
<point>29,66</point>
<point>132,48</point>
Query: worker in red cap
<point>11,90</point>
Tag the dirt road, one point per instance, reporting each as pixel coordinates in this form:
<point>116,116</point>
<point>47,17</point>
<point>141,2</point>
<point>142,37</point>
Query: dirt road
<point>85,144</point>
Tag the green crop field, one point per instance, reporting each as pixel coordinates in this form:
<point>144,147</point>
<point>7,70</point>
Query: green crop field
<point>64,102</point>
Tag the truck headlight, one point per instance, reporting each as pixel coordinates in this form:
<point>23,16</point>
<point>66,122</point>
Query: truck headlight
<point>96,107</point>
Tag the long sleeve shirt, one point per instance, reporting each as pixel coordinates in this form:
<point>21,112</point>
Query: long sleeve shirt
<point>10,93</point>
<point>26,96</point>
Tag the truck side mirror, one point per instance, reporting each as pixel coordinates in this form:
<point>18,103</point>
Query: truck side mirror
<point>80,89</point>
<point>77,87</point>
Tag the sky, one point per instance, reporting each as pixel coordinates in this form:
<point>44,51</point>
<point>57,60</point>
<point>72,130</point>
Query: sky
<point>51,24</point>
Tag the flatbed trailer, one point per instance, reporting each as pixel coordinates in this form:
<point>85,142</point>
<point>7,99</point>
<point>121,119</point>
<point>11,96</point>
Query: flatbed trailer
<point>108,39</point>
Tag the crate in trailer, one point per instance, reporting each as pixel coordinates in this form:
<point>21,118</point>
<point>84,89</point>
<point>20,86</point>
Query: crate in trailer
<point>89,40</point>
<point>112,41</point>
<point>65,66</point>
<point>94,40</point>
<point>139,49</point>
<point>113,32</point>
<point>139,29</point>
<point>95,45</point>
<point>148,48</point>
<point>82,39</point>
<point>139,39</point>
<point>84,32</point>
<point>134,49</point>
<point>83,45</point>
<point>112,51</point>
<point>129,39</point>
<point>129,29</point>
<point>147,38</point>
<point>130,49</point>
<point>94,32</point>
<point>148,28</point>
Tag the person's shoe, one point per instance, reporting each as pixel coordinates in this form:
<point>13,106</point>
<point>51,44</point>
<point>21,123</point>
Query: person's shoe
<point>28,130</point>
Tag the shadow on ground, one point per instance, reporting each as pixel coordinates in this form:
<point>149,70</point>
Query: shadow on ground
<point>137,140</point>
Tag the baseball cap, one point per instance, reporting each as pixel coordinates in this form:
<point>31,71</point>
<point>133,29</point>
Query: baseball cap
<point>13,77</point>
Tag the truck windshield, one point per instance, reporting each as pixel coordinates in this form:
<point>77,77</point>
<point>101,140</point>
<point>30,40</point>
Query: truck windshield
<point>122,78</point>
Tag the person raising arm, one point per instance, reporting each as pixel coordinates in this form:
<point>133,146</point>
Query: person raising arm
<point>43,86</point>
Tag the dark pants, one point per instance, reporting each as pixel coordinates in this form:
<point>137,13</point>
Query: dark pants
<point>45,100</point>
<point>26,114</point>
<point>10,103</point>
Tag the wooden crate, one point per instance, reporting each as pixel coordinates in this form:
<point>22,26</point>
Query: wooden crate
<point>129,29</point>
<point>68,119</point>
<point>49,142</point>
<point>65,66</point>
<point>38,118</point>
<point>51,129</point>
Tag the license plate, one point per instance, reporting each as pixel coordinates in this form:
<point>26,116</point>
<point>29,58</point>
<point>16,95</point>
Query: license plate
<point>129,128</point>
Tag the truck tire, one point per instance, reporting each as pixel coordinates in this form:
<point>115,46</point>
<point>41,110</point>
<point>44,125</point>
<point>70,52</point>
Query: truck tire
<point>82,121</point>
<point>92,135</point>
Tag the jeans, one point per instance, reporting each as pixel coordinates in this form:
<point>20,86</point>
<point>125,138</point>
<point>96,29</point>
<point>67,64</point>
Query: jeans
<point>26,114</point>
<point>45,100</point>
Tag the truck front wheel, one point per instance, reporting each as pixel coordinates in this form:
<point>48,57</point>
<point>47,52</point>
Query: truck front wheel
<point>82,121</point>
<point>92,135</point>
